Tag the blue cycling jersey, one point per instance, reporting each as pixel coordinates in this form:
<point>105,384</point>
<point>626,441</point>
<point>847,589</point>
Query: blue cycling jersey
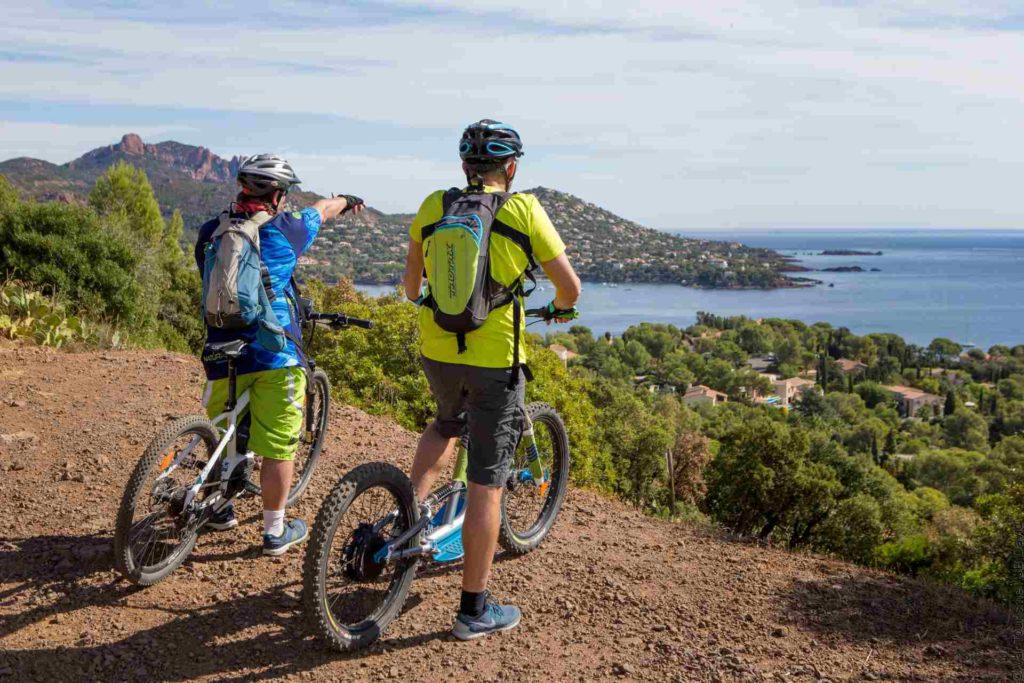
<point>282,240</point>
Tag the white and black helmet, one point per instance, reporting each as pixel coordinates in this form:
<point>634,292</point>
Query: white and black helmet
<point>263,173</point>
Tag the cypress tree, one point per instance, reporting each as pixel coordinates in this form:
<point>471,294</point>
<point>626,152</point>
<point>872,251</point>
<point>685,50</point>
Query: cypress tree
<point>890,443</point>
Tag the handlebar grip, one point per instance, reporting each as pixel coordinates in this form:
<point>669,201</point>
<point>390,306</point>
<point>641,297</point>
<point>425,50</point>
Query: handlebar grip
<point>536,312</point>
<point>358,322</point>
<point>337,321</point>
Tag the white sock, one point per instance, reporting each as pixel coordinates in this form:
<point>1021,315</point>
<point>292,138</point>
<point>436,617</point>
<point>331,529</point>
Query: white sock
<point>273,522</point>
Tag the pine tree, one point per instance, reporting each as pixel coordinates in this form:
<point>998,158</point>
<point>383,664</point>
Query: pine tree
<point>950,407</point>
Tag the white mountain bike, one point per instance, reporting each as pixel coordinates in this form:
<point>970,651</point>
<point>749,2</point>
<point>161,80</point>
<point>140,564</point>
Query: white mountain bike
<point>196,466</point>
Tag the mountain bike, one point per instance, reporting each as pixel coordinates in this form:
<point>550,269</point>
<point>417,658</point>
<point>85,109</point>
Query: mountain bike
<point>370,532</point>
<point>196,466</point>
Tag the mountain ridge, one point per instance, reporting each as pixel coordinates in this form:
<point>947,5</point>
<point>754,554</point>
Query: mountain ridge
<point>370,248</point>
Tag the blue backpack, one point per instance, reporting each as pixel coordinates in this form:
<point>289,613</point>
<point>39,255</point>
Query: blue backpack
<point>236,283</point>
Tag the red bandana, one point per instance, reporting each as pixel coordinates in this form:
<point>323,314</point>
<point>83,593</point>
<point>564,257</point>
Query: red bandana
<point>252,206</point>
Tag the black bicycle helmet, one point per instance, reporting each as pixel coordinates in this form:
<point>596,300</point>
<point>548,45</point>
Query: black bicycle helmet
<point>261,174</point>
<point>489,141</point>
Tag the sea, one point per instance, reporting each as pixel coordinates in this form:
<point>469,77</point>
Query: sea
<point>965,285</point>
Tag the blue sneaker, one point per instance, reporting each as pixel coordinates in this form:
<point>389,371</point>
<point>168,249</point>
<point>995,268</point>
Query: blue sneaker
<point>495,618</point>
<point>223,520</point>
<point>295,532</point>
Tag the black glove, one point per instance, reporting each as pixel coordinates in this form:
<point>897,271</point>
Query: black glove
<point>352,201</point>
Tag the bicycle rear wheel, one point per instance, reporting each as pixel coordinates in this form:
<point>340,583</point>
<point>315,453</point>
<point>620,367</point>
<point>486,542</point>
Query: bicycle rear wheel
<point>314,429</point>
<point>528,511</point>
<point>152,535</point>
<point>349,597</point>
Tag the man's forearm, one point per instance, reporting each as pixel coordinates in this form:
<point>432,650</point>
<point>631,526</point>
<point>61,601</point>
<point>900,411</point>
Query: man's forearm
<point>330,208</point>
<point>566,299</point>
<point>566,282</point>
<point>413,286</point>
<point>413,277</point>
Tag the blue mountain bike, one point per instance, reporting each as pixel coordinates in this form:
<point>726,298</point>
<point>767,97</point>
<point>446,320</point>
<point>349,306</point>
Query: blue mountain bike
<point>371,533</point>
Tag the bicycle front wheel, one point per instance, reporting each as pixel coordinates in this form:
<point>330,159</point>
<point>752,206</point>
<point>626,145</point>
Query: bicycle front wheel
<point>348,594</point>
<point>153,535</point>
<point>529,509</point>
<point>314,429</point>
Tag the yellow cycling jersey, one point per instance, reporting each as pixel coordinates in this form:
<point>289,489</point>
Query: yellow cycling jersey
<point>491,345</point>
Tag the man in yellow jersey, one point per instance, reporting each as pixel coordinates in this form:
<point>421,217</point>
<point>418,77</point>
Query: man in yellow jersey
<point>474,375</point>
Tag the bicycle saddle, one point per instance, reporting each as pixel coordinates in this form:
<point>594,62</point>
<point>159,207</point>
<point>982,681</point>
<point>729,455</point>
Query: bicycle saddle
<point>230,349</point>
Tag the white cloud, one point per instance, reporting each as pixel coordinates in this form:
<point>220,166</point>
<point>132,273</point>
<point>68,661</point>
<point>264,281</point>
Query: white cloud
<point>703,114</point>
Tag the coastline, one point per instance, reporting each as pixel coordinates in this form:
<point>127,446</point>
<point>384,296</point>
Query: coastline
<point>965,287</point>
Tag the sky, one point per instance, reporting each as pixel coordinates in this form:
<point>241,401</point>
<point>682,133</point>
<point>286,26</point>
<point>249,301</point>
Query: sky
<point>679,115</point>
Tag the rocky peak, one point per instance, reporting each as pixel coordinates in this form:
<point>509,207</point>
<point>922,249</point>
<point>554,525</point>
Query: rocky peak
<point>132,144</point>
<point>197,163</point>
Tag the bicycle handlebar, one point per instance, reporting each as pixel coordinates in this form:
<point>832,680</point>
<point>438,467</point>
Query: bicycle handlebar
<point>544,314</point>
<point>338,321</point>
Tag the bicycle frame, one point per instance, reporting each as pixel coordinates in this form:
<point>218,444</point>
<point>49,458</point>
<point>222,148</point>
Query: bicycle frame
<point>227,424</point>
<point>452,499</point>
<point>228,442</point>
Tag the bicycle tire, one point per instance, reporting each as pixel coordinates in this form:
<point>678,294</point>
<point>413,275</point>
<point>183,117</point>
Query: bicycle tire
<point>321,391</point>
<point>541,414</point>
<point>124,559</point>
<point>341,636</point>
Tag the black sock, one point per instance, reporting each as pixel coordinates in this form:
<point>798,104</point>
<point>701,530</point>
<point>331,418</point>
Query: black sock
<point>472,604</point>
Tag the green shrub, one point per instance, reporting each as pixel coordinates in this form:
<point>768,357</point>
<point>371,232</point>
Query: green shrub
<point>65,249</point>
<point>908,555</point>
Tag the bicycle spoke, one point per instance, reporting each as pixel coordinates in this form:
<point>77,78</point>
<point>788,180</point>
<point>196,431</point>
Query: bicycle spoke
<point>154,537</point>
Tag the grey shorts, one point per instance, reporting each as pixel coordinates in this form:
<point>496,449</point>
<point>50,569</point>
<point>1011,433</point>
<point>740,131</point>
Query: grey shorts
<point>479,403</point>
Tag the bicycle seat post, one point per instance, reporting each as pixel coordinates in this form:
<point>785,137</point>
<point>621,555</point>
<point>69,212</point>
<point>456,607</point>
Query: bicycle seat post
<point>232,384</point>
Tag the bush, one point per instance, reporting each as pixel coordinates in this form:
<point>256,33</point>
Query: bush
<point>65,250</point>
<point>377,370</point>
<point>854,529</point>
<point>116,260</point>
<point>908,555</point>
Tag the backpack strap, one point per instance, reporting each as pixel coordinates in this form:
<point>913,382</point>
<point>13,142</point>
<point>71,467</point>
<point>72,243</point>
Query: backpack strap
<point>521,239</point>
<point>449,197</point>
<point>262,218</point>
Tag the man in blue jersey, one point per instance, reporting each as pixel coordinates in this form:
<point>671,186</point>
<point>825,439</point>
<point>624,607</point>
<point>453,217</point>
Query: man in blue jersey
<point>275,379</point>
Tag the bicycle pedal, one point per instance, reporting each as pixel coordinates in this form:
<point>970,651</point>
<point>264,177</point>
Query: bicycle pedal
<point>252,488</point>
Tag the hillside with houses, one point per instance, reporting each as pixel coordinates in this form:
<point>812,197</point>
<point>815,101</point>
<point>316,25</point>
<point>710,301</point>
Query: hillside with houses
<point>370,248</point>
<point>901,456</point>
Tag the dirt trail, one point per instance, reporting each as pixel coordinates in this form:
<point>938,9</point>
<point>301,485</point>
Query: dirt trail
<point>611,595</point>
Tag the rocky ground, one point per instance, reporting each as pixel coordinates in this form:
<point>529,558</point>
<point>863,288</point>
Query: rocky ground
<point>611,594</point>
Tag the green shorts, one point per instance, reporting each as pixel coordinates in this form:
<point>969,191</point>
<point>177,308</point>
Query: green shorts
<point>276,403</point>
